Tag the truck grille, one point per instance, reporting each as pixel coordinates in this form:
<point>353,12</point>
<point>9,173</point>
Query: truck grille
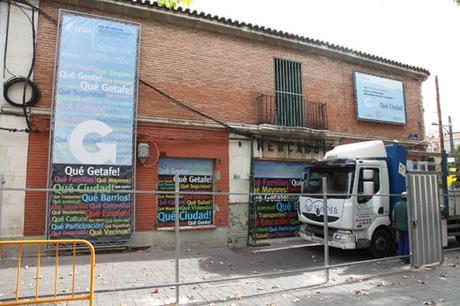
<point>316,218</point>
<point>319,230</point>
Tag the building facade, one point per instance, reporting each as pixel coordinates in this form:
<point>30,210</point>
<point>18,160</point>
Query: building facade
<point>234,107</point>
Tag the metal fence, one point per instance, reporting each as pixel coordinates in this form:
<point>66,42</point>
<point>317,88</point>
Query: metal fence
<point>287,109</point>
<point>18,247</point>
<point>325,266</point>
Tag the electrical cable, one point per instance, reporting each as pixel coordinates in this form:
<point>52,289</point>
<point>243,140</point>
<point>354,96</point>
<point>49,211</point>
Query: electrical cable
<point>189,108</point>
<point>31,69</point>
<point>27,81</point>
<point>157,158</point>
<point>34,95</point>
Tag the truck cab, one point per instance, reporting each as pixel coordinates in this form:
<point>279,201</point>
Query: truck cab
<point>358,202</point>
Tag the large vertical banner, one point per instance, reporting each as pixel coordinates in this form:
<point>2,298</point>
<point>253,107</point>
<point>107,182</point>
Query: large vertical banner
<point>276,211</point>
<point>195,176</point>
<point>95,98</point>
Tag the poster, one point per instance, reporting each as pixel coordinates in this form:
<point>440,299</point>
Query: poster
<point>195,175</point>
<point>95,98</point>
<point>101,214</point>
<point>276,212</point>
<point>379,99</point>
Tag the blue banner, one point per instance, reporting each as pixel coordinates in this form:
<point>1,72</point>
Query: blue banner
<point>93,130</point>
<point>379,99</point>
<point>95,93</point>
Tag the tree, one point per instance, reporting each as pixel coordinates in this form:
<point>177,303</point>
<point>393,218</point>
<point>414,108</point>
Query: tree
<point>174,3</point>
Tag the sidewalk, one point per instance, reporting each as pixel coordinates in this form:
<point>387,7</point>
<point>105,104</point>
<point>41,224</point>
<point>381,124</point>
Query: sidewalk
<point>118,273</point>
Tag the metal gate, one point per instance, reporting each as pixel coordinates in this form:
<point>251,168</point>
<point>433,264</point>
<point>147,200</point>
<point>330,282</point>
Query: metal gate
<point>425,220</point>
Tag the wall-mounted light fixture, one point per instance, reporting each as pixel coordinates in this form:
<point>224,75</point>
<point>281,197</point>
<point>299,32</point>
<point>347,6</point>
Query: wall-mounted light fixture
<point>143,152</point>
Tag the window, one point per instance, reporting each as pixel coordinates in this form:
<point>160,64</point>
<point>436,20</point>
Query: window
<point>289,93</point>
<point>195,175</point>
<point>339,183</point>
<point>375,179</point>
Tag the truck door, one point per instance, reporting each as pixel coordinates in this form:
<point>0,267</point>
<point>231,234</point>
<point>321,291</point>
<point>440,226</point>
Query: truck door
<point>368,205</point>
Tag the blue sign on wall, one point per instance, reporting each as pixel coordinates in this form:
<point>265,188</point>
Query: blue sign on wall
<point>95,93</point>
<point>95,97</point>
<point>379,99</point>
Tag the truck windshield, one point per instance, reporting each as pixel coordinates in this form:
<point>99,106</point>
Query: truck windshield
<point>339,183</point>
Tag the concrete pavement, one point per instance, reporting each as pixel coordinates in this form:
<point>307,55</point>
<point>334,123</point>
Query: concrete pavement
<point>119,274</point>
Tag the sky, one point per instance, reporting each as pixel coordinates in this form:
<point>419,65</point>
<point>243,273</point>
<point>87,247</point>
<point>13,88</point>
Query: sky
<point>422,33</point>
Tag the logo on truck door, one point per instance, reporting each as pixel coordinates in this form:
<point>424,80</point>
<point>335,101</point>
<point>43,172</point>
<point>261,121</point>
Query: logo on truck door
<point>314,206</point>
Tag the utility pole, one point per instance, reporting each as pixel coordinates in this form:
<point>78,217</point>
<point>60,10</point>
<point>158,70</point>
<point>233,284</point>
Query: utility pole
<point>438,103</point>
<point>451,137</point>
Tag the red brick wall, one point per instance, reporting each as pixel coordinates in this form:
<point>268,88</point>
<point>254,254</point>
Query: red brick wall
<point>37,169</point>
<point>181,143</point>
<point>171,142</point>
<point>222,75</point>
<point>219,75</point>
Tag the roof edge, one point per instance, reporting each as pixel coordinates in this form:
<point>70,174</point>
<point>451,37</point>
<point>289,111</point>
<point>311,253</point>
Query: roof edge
<point>186,17</point>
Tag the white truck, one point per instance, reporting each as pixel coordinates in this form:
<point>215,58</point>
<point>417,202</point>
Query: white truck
<point>360,177</point>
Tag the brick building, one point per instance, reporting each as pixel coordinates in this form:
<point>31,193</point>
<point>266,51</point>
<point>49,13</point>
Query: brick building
<point>239,101</point>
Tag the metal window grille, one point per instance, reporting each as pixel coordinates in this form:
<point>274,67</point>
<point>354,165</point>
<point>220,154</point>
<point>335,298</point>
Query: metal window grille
<point>289,93</point>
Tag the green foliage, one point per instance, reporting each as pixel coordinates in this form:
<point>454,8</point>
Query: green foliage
<point>457,1</point>
<point>174,3</point>
<point>457,149</point>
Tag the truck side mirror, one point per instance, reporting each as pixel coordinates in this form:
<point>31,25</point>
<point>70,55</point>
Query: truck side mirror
<point>368,174</point>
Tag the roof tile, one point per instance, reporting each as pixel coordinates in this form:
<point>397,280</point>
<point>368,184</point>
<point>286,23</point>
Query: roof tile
<point>257,28</point>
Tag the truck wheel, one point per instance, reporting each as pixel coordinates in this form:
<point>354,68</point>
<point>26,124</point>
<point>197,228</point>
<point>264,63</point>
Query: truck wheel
<point>381,243</point>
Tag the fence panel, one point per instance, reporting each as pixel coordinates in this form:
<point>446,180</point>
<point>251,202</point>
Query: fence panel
<point>425,220</point>
<point>56,295</point>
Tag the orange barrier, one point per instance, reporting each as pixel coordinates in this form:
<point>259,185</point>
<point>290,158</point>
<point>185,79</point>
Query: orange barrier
<point>56,298</point>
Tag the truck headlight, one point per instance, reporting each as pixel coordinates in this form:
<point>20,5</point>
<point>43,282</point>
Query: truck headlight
<point>344,236</point>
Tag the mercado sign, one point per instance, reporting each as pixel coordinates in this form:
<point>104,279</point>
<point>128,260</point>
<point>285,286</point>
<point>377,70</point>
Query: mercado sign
<point>379,99</point>
<point>195,175</point>
<point>276,211</point>
<point>95,98</point>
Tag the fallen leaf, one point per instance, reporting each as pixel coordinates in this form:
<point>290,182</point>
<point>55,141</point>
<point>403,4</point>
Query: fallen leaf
<point>361,292</point>
<point>422,282</point>
<point>155,291</point>
<point>259,289</point>
<point>296,300</point>
<point>429,302</point>
<point>442,300</point>
<point>276,286</point>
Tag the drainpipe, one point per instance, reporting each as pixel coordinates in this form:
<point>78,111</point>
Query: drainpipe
<point>251,208</point>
